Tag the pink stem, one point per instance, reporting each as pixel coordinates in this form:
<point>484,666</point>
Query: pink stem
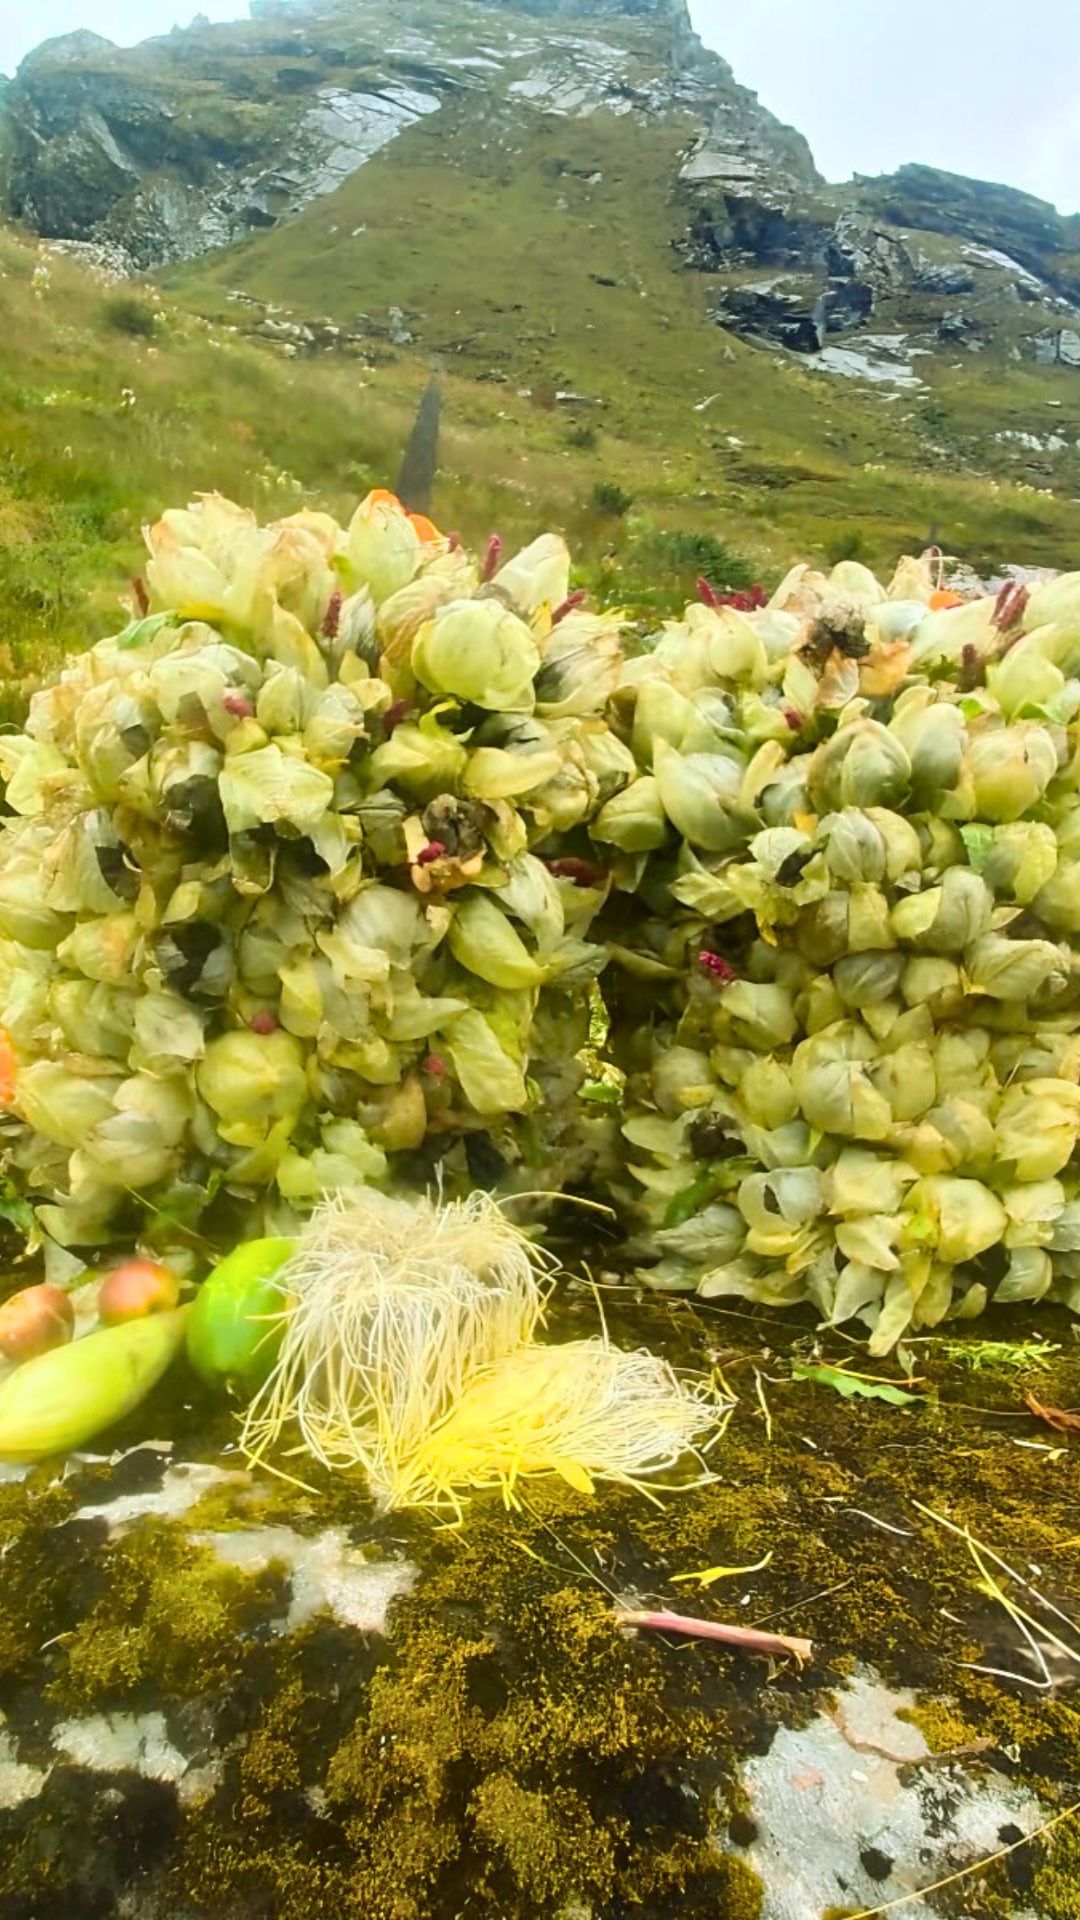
<point>569,605</point>
<point>749,1638</point>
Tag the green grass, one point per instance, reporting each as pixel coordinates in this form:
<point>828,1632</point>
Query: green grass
<point>608,497</point>
<point>501,264</point>
<point>731,461</point>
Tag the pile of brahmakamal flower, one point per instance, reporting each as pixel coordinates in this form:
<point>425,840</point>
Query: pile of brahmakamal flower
<point>310,874</point>
<point>849,1010</point>
<point>272,920</point>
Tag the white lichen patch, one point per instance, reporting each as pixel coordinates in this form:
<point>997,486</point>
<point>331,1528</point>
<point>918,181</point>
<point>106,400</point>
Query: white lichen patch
<point>182,1486</point>
<point>119,1743</point>
<point>853,1810</point>
<point>18,1782</point>
<point>327,1573</point>
<point>135,1743</point>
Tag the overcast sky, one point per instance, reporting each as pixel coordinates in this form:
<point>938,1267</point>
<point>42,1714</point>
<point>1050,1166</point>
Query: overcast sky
<point>985,87</point>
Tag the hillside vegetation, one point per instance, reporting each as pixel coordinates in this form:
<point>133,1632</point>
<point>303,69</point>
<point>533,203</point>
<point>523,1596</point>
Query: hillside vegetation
<point>118,401</point>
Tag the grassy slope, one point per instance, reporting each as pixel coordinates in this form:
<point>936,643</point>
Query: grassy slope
<point>499,260</point>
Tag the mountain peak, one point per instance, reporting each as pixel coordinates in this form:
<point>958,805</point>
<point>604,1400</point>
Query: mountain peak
<point>65,47</point>
<point>413,173</point>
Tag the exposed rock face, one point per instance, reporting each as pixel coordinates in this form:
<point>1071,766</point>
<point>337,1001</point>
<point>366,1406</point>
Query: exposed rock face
<point>191,141</point>
<point>1031,231</point>
<point>170,149</point>
<point>67,46</point>
<point>200,139</point>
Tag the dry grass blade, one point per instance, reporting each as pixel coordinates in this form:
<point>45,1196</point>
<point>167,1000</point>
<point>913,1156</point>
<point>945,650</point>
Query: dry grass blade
<point>1034,1632</point>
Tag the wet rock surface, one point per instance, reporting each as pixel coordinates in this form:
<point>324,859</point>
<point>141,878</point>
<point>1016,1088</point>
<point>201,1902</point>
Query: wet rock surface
<point>227,1694</point>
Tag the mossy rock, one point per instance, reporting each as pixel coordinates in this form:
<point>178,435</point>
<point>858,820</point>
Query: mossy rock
<point>503,1751</point>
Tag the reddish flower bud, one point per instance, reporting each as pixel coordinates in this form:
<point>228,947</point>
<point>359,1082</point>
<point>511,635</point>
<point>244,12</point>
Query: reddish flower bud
<point>394,715</point>
<point>238,705</point>
<point>142,598</point>
<point>1009,606</point>
<point>583,873</point>
<point>971,670</point>
<point>707,593</point>
<point>332,616</point>
<point>492,557</point>
<point>429,854</point>
<point>264,1021</point>
<point>792,716</point>
<point>434,1066</point>
<point>716,967</point>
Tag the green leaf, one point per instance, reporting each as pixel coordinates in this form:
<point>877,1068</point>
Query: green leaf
<point>691,1199</point>
<point>978,839</point>
<point>140,632</point>
<point>600,1093</point>
<point>851,1386</point>
<point>18,1213</point>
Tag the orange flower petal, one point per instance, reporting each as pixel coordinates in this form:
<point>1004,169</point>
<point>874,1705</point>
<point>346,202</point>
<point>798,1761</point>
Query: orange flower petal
<point>426,528</point>
<point>945,597</point>
<point>7,1069</point>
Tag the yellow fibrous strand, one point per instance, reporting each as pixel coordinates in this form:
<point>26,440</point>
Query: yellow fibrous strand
<point>584,1410</point>
<point>410,1351</point>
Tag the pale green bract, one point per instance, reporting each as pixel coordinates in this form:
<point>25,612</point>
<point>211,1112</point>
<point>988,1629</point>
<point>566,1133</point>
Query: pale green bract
<point>478,651</point>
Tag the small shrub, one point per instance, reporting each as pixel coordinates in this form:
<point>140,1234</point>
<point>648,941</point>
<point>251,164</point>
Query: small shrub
<point>848,543</point>
<point>690,554</point>
<point>582,435</point>
<point>131,314</point>
<point>609,498</point>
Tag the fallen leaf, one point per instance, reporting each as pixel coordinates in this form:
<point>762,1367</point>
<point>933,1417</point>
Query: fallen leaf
<point>852,1386</point>
<point>1060,1418</point>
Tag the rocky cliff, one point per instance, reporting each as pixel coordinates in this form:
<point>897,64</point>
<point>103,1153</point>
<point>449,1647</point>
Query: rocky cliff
<point>192,141</point>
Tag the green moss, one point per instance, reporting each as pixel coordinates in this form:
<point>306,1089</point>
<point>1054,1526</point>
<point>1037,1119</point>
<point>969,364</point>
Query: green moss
<point>169,1615</point>
<point>32,1551</point>
<point>743,1894</point>
<point>942,1727</point>
<point>551,1844</point>
<point>508,1753</point>
<point>271,1761</point>
<point>1055,1885</point>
